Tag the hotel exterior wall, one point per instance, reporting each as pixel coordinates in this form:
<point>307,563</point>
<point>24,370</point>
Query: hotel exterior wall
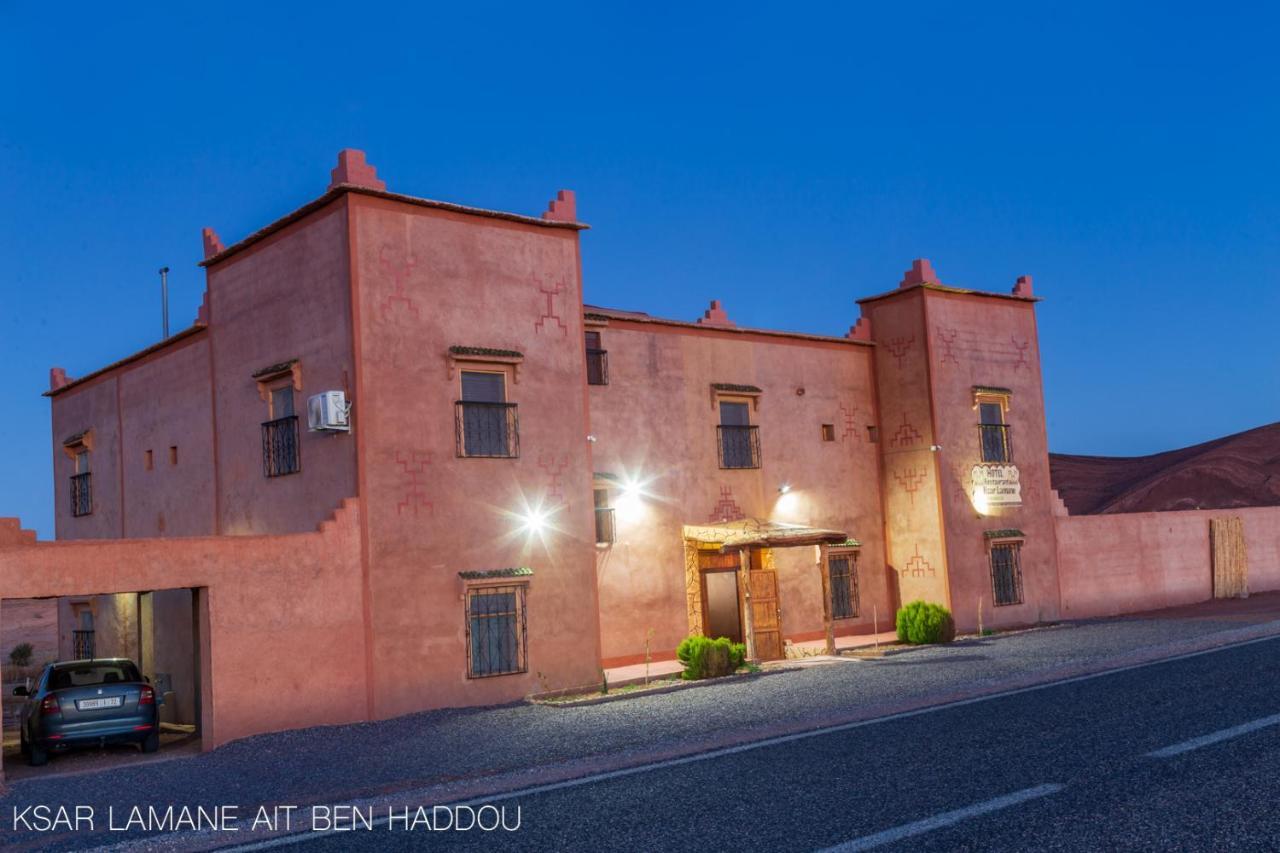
<point>165,402</point>
<point>977,340</point>
<point>158,402</point>
<point>428,280</point>
<point>655,424</point>
<point>285,298</point>
<point>1126,562</point>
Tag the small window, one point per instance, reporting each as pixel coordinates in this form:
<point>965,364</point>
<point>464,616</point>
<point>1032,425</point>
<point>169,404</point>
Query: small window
<point>281,402</point>
<point>844,584</point>
<point>828,432</point>
<point>486,424</point>
<point>496,635</point>
<point>605,530</point>
<point>739,440</point>
<point>173,455</point>
<point>873,434</point>
<point>281,447</point>
<point>81,484</point>
<point>597,361</point>
<point>1006,573</point>
<point>148,460</point>
<point>994,432</point>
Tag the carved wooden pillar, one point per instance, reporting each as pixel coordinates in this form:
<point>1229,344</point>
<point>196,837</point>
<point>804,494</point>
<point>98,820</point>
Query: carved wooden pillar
<point>824,569</point>
<point>744,582</point>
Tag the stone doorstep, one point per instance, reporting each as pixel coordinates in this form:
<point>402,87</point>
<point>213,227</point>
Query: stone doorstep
<point>603,698</point>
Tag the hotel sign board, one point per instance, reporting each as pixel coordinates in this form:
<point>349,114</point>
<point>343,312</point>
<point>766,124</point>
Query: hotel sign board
<point>997,484</point>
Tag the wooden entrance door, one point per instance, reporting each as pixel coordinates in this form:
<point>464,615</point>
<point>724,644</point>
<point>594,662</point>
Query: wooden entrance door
<point>721,604</point>
<point>766,611</point>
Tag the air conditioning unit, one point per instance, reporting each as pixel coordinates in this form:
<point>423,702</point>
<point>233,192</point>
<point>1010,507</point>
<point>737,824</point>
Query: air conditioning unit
<point>329,412</point>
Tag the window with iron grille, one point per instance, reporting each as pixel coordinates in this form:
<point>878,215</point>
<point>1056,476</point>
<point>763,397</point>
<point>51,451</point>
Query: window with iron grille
<point>82,645</point>
<point>605,530</point>
<point>81,485</point>
<point>994,433</point>
<point>844,585</point>
<point>597,361</point>
<point>486,425</point>
<point>738,439</point>
<point>280,447</point>
<point>496,631</point>
<point>1006,573</point>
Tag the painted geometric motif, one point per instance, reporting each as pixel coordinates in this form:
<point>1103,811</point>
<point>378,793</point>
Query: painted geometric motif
<point>974,345</point>
<point>911,479</point>
<point>550,292</point>
<point>413,473</point>
<point>554,467</point>
<point>726,509</point>
<point>849,423</point>
<point>918,567</point>
<point>398,270</point>
<point>899,347</point>
<point>906,435</point>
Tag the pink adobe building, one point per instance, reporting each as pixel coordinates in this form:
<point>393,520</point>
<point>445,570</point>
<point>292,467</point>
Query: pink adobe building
<point>508,490</point>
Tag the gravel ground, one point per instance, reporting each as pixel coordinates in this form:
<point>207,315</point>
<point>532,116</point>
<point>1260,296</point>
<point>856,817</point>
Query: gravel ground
<point>347,762</point>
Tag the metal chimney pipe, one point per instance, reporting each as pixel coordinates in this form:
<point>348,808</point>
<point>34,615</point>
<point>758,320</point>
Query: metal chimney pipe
<point>164,299</point>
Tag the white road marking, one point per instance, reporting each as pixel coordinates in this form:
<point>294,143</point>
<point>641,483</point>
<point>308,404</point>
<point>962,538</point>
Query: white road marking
<point>1215,737</point>
<point>945,819</point>
<point>307,835</point>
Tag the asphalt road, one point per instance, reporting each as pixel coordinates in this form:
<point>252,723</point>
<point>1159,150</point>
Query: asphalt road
<point>1066,767</point>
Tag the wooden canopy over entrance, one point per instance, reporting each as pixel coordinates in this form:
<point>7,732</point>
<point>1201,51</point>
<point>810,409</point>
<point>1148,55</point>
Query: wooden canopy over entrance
<point>745,547</point>
<point>749,532</point>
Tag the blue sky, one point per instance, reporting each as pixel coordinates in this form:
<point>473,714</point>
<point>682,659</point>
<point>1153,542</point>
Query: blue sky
<point>787,159</point>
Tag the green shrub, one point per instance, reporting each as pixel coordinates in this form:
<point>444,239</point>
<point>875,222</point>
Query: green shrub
<point>21,654</point>
<point>921,622</point>
<point>704,657</point>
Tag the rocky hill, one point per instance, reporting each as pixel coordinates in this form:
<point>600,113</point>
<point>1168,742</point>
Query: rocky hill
<point>1238,470</point>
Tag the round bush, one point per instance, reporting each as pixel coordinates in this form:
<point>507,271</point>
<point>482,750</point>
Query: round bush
<point>922,622</point>
<point>704,657</point>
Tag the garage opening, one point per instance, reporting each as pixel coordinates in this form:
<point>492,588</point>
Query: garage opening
<point>157,630</point>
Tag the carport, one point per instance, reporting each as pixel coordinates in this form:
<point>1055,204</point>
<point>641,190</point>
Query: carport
<point>159,630</point>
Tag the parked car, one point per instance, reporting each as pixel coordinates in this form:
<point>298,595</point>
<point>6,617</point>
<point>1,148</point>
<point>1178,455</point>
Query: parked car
<point>84,702</point>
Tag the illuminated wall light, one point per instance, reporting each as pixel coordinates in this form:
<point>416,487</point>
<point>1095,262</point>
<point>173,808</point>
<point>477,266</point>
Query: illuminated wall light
<point>784,488</point>
<point>535,521</point>
<point>630,504</point>
<point>980,502</point>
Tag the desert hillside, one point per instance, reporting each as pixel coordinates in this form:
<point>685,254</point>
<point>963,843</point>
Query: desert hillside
<point>1238,470</point>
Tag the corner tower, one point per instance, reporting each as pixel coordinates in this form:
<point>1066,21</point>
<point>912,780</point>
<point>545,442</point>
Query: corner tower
<point>968,506</point>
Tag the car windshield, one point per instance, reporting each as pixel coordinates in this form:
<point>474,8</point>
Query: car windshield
<point>89,674</point>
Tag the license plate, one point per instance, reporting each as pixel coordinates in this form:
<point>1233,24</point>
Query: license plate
<point>94,704</point>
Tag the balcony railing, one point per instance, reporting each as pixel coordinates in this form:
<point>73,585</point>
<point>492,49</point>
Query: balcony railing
<point>606,531</point>
<point>82,494</point>
<point>487,430</point>
<point>280,447</point>
<point>739,446</point>
<point>82,645</point>
<point>996,443</point>
<point>597,367</point>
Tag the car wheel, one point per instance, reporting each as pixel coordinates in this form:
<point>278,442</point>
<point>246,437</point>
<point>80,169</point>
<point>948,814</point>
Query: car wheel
<point>22,742</point>
<point>37,756</point>
<point>152,742</point>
